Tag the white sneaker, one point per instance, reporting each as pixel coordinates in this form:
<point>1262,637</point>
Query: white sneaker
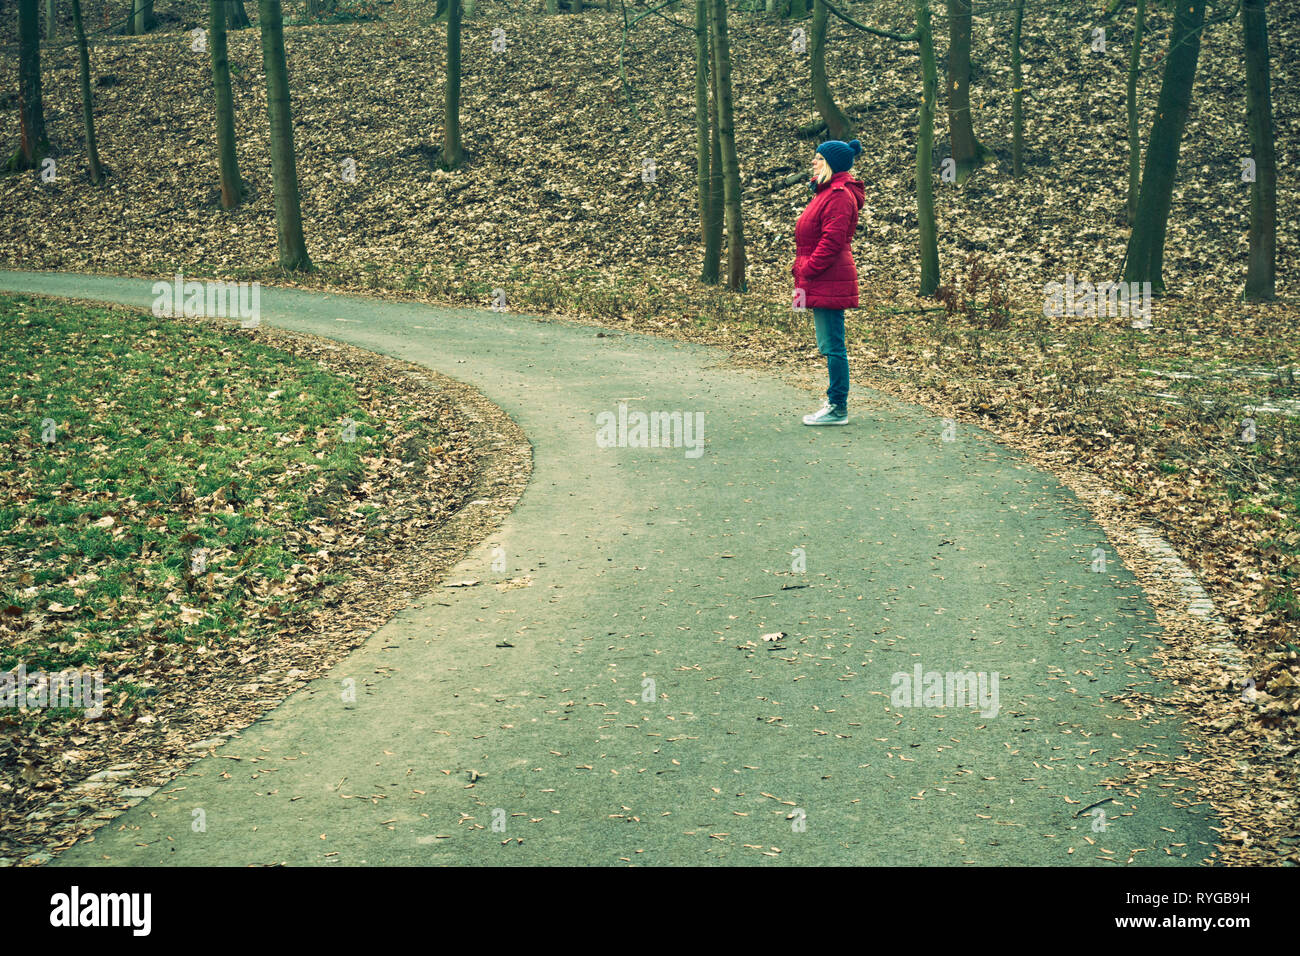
<point>828,415</point>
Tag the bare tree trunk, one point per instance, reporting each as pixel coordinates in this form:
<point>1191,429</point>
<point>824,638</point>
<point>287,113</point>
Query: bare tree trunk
<point>50,20</point>
<point>236,15</point>
<point>1134,142</point>
<point>837,124</point>
<point>967,151</point>
<point>703,139</point>
<point>1146,244</point>
<point>1261,264</point>
<point>232,186</point>
<point>33,143</point>
<point>1017,97</point>
<point>87,105</point>
<point>453,154</point>
<point>730,162</point>
<point>924,153</point>
<point>713,242</point>
<point>144,19</point>
<point>284,165</point>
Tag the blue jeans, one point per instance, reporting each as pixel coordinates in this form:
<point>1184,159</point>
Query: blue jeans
<point>830,342</point>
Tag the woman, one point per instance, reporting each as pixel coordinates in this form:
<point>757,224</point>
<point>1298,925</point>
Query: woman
<point>823,265</point>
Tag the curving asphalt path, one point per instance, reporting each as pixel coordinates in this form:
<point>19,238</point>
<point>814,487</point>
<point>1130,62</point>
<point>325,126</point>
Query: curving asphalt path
<point>655,565</point>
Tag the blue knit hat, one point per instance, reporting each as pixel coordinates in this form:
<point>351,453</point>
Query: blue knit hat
<point>838,154</point>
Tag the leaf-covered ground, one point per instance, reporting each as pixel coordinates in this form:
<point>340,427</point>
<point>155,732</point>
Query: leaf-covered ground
<point>553,209</point>
<point>557,155</point>
<point>217,517</point>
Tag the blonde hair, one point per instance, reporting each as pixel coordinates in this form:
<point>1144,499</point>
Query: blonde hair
<point>827,173</point>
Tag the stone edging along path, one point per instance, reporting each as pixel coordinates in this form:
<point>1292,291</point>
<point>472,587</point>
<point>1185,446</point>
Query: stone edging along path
<point>674,658</point>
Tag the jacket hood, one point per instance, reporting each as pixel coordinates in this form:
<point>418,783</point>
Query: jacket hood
<point>859,191</point>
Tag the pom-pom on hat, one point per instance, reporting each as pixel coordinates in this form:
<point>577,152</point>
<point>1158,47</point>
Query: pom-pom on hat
<point>838,154</point>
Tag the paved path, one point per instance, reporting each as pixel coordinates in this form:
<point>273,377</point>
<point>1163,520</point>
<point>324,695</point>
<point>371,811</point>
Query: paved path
<point>648,564</point>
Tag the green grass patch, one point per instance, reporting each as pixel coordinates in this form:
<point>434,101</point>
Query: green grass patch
<point>131,441</point>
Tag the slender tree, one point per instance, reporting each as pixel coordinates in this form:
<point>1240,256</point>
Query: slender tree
<point>1134,143</point>
<point>1146,245</point>
<point>926,225</point>
<point>713,241</point>
<point>703,140</point>
<point>87,107</point>
<point>837,124</point>
<point>1261,264</point>
<point>232,186</point>
<point>236,15</point>
<point>1017,96</point>
<point>284,166</point>
<point>967,151</point>
<point>730,163</point>
<point>33,143</point>
<point>144,20</point>
<point>453,153</point>
<point>50,20</point>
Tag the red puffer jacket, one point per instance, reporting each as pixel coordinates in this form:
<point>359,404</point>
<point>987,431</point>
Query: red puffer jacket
<point>823,264</point>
